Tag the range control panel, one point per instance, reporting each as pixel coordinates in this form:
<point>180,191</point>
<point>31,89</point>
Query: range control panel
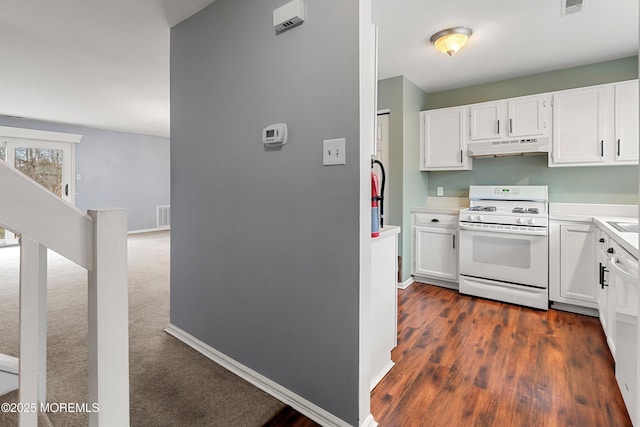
<point>507,192</point>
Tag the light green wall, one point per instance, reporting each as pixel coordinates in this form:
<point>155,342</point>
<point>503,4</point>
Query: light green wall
<point>607,184</point>
<point>407,185</point>
<point>617,184</point>
<point>390,97</point>
<point>569,78</point>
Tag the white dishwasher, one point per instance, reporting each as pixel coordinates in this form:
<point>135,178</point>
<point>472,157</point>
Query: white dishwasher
<point>623,277</point>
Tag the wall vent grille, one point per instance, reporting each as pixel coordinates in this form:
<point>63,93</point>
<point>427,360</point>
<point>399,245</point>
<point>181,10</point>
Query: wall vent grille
<point>163,214</point>
<point>573,6</point>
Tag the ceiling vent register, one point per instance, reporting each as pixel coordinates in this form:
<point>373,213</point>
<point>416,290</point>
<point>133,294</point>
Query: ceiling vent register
<point>572,6</point>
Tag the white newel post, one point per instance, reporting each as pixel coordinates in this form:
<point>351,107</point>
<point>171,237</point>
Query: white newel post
<point>109,320</point>
<point>33,329</point>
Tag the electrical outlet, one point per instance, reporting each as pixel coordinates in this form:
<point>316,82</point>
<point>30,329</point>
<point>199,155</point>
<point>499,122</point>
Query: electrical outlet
<point>333,152</point>
<point>440,191</point>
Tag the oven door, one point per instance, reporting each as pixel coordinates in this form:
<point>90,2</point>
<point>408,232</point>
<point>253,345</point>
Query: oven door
<point>506,253</point>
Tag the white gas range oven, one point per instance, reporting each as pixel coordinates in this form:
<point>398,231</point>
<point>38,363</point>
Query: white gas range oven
<point>504,245</point>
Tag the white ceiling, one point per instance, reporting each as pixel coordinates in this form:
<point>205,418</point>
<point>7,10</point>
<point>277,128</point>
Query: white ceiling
<point>105,63</point>
<point>99,63</point>
<point>510,38</point>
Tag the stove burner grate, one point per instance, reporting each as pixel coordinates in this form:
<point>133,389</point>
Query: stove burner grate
<point>483,208</point>
<point>526,210</point>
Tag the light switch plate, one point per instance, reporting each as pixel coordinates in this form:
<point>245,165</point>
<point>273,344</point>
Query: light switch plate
<point>333,152</point>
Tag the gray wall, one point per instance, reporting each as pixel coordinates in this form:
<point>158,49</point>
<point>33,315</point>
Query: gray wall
<point>607,184</point>
<point>118,169</point>
<point>265,243</point>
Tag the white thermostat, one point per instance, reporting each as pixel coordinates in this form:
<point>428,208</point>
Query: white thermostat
<point>275,134</point>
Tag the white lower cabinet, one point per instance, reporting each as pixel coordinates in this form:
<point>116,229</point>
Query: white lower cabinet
<point>618,312</point>
<point>573,273</point>
<point>606,305</point>
<point>384,298</point>
<point>435,246</point>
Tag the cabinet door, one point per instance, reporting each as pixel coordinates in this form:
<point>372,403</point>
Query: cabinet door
<point>626,122</point>
<point>582,126</point>
<point>435,253</point>
<point>442,134</point>
<point>527,116</point>
<point>486,121</point>
<point>603,279</point>
<point>578,272</point>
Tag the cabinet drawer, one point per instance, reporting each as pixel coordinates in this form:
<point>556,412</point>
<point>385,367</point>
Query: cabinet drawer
<point>603,241</point>
<point>435,220</point>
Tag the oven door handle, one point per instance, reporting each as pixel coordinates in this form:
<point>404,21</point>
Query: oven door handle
<point>527,231</point>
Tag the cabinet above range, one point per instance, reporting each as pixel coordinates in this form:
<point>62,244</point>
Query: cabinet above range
<point>524,117</point>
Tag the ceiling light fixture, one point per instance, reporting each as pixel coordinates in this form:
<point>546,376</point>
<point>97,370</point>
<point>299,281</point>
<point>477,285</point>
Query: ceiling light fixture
<point>451,40</point>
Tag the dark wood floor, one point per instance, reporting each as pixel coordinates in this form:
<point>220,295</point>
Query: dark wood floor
<point>464,361</point>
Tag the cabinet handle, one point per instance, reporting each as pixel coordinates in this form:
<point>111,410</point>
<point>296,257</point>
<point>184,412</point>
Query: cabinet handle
<point>618,147</point>
<point>454,241</point>
<point>510,126</point>
<point>610,250</point>
<point>498,126</point>
<point>460,156</point>
<point>601,148</point>
<point>602,282</point>
<point>435,220</point>
<point>600,275</point>
<point>601,240</point>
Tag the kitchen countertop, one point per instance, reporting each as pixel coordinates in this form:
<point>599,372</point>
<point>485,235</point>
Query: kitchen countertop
<point>600,214</point>
<point>585,211</point>
<point>388,231</point>
<point>442,205</point>
<point>629,241</point>
<point>437,210</point>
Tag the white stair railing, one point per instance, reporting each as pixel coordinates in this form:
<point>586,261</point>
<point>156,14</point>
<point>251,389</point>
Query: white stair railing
<point>96,241</point>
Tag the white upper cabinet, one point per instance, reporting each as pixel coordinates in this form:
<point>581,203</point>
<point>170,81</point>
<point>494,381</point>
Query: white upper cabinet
<point>596,126</point>
<point>582,126</point>
<point>626,122</point>
<point>524,117</point>
<point>588,126</point>
<point>485,121</point>
<point>442,136</point>
<point>529,116</point>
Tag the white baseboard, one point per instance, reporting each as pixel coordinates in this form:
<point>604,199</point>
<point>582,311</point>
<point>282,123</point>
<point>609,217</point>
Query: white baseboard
<point>381,374</point>
<point>286,396</point>
<point>369,422</point>
<point>148,230</point>
<point>574,309</point>
<point>406,283</point>
<point>437,282</point>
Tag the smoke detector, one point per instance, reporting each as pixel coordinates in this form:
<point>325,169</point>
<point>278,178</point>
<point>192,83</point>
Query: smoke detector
<point>570,7</point>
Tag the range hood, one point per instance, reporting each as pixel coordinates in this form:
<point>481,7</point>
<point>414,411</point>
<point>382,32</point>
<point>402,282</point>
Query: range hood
<point>511,147</point>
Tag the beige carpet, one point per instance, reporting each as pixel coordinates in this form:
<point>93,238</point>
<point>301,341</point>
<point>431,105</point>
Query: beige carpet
<point>170,384</point>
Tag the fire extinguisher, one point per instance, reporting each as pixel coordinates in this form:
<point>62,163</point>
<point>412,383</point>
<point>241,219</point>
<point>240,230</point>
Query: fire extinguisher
<point>375,212</point>
<point>377,197</point>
